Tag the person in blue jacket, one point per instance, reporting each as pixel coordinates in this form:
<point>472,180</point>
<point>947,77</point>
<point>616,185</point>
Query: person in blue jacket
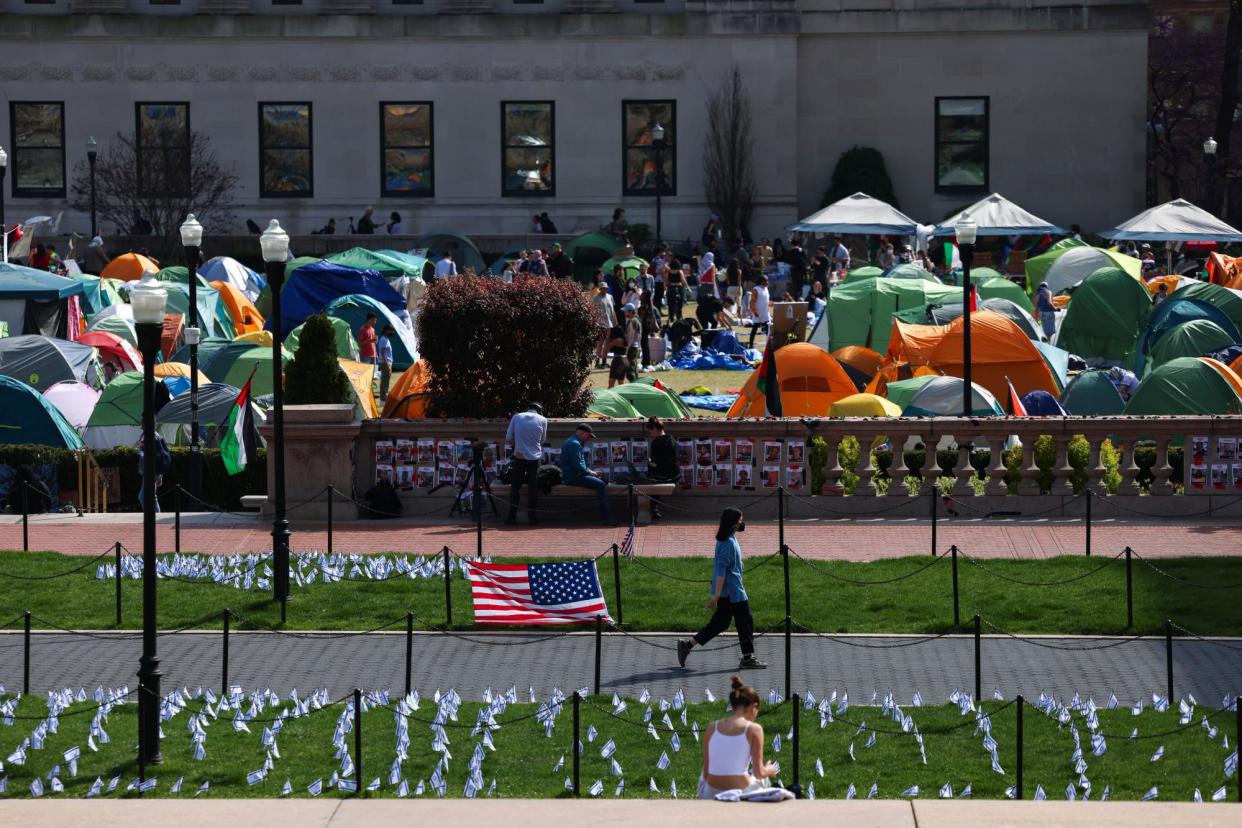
<point>729,598</point>
<point>575,472</point>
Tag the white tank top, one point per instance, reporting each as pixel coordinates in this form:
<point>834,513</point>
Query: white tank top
<point>728,755</point>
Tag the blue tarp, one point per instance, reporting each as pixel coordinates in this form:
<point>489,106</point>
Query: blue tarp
<point>17,282</point>
<point>711,402</point>
<point>693,358</point>
<point>312,287</point>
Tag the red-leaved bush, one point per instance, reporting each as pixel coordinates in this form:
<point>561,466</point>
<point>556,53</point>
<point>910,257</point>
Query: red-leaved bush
<point>494,347</point>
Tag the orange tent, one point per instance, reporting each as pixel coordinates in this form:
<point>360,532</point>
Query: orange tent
<point>407,399</point>
<point>893,372</point>
<point>810,382</point>
<point>178,369</point>
<point>1153,286</point>
<point>1228,372</point>
<point>998,350</point>
<point>1236,366</point>
<point>914,344</point>
<point>1225,271</point>
<point>128,266</point>
<point>246,317</point>
<point>859,362</point>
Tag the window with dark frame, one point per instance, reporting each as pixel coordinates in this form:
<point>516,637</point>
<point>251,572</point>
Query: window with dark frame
<point>962,132</point>
<point>528,148</point>
<point>638,119</point>
<point>407,163</point>
<point>162,148</point>
<point>37,149</point>
<point>286,157</point>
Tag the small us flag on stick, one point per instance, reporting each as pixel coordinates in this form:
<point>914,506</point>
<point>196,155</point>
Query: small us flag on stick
<point>546,593</point>
<point>627,545</point>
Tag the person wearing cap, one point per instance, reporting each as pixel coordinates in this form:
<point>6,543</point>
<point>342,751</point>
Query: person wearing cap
<point>575,472</point>
<point>633,331</point>
<point>1045,311</point>
<point>559,264</point>
<point>527,430</point>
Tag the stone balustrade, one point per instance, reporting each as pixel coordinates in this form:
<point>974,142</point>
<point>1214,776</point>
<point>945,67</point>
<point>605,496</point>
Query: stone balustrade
<point>1045,466</point>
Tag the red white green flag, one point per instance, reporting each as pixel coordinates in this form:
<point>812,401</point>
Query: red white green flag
<point>237,441</point>
<point>768,383</point>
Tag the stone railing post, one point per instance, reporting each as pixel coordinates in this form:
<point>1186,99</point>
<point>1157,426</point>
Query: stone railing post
<point>1095,464</point>
<point>1128,468</point>
<point>832,464</point>
<point>865,487</point>
<point>898,471</point>
<point>1162,470</point>
<point>1029,472</point>
<point>931,462</point>
<point>964,471</point>
<point>1061,469</point>
<point>996,463</point>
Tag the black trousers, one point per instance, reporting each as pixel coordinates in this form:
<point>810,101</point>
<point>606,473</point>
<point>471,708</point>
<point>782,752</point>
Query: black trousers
<point>726,611</point>
<point>523,471</point>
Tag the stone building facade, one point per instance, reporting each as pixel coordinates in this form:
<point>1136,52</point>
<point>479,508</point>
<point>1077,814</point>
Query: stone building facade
<point>500,109</point>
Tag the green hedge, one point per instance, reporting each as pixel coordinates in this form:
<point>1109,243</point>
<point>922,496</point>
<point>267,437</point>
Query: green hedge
<point>219,489</point>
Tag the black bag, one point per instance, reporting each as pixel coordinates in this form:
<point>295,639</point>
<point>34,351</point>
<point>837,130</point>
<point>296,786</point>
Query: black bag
<point>382,501</point>
<point>548,476</point>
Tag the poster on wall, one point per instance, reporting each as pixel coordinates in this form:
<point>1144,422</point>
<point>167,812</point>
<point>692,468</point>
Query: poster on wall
<point>771,477</point>
<point>703,477</point>
<point>742,477</point>
<point>426,477</point>
<point>1198,449</point>
<point>445,452</point>
<point>1226,448</point>
<point>1220,476</point>
<point>703,452</point>
<point>405,476</point>
<point>405,451</point>
<point>771,452</point>
<point>1198,476</point>
<point>1236,475</point>
<point>687,476</point>
<point>744,452</point>
<point>724,475</point>
<point>599,456</point>
<point>383,471</point>
<point>384,451</point>
<point>445,472</point>
<point>795,478</point>
<point>795,452</point>
<point>426,451</point>
<point>638,453</point>
<point>620,453</point>
<point>685,452</point>
<point>723,451</point>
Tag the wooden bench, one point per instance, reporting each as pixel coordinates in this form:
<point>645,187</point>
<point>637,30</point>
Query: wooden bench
<point>643,512</point>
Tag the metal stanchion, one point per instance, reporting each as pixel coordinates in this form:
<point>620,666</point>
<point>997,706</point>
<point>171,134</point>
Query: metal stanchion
<point>1089,497</point>
<point>118,583</point>
<point>978,658</point>
<point>599,644</point>
<point>329,519</point>
<point>1168,657</point>
<point>26,655</point>
<point>448,590</point>
<point>935,512</point>
<point>224,655</point>
<point>358,741</point>
<point>788,655</point>
<point>574,747</point>
<point>957,615</point>
<point>177,519</point>
<point>1018,787</point>
<point>409,651</point>
<point>616,577</point>
<point>796,699</point>
<point>25,517</point>
<point>1129,589</point>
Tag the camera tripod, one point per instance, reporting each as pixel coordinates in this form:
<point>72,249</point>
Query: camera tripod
<point>476,481</point>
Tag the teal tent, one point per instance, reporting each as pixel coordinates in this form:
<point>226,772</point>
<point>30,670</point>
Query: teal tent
<point>29,419</point>
<point>346,345</point>
<point>1092,394</point>
<point>465,253</point>
<point>1186,385</point>
<point>354,309</point>
<point>942,397</point>
<point>589,251</point>
<point>906,271</point>
<point>388,263</point>
<point>1226,300</point>
<point>900,392</point>
<point>238,361</point>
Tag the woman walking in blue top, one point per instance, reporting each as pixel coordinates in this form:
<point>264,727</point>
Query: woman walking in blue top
<point>729,599</point>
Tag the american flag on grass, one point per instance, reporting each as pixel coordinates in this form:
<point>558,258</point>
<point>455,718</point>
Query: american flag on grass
<point>627,545</point>
<point>546,593</point>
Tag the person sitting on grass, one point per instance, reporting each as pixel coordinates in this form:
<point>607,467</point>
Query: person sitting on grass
<point>733,747</point>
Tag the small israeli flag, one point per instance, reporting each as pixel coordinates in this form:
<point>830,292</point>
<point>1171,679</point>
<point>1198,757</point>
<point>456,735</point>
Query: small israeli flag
<point>608,749</point>
<point>315,788</point>
<point>1218,794</point>
<point>663,762</point>
<point>1158,755</point>
<point>913,790</point>
<point>206,786</point>
<point>1152,793</point>
<point>819,767</point>
<point>287,789</point>
<point>176,786</point>
<point>851,791</point>
<point>1039,793</point>
<point>620,789</point>
<point>966,791</point>
<point>615,768</point>
<point>596,788</point>
<point>946,791</point>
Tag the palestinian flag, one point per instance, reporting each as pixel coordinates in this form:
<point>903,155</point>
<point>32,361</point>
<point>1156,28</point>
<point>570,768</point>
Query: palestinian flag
<point>237,443</point>
<point>974,298</point>
<point>1016,408</point>
<point>769,384</point>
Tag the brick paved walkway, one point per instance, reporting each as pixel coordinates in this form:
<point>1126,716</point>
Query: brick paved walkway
<point>860,665</point>
<point>865,539</point>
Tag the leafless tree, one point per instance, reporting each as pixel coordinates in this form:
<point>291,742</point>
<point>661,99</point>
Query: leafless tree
<point>728,164</point>
<point>171,182</point>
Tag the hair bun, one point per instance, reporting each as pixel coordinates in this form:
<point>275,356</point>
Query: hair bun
<point>736,682</point>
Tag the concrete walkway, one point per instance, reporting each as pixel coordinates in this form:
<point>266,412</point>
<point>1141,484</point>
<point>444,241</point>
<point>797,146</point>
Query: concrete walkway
<point>485,813</point>
<point>825,539</point>
<point>861,665</point>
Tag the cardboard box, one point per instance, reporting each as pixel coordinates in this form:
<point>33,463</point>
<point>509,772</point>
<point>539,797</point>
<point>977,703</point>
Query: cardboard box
<point>788,322</point>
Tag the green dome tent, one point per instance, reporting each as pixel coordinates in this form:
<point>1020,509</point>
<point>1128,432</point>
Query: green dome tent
<point>629,265</point>
<point>1106,316</point>
<point>117,325</point>
<point>346,345</point>
<point>1228,301</point>
<point>1068,266</point>
<point>864,272</point>
<point>180,275</point>
<point>1189,339</point>
<point>117,418</point>
<point>910,271</point>
<point>1092,394</point>
<point>589,251</point>
<point>998,287</point>
<point>29,419</point>
<point>650,401</point>
<point>354,307</point>
<point>1037,266</point>
<point>1186,385</point>
<point>901,392</point>
<point>208,347</point>
<point>465,253</point>
<point>233,364</point>
<point>608,403</point>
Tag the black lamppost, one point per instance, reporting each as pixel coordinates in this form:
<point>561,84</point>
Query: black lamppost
<point>659,145</point>
<point>191,238</point>
<point>92,150</point>
<point>4,230</point>
<point>275,245</point>
<point>1209,192</point>
<point>966,231</point>
<point>148,300</point>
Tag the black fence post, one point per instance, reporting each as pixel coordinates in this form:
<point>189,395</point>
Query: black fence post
<point>1168,656</point>
<point>631,502</point>
<point>1018,788</point>
<point>574,747</point>
<point>796,698</point>
<point>224,654</point>
<point>409,651</point>
<point>118,583</point>
<point>25,517</point>
<point>1129,590</point>
<point>1237,724</point>
<point>788,655</point>
<point>478,516</point>
<point>780,514</point>
<point>329,519</point>
<point>1089,497</point>
<point>935,513</point>
<point>957,614</point>
<point>448,590</point>
<point>616,578</point>
<point>358,741</point>
<point>599,643</point>
<point>26,657</point>
<point>978,658</point>
<point>177,519</point>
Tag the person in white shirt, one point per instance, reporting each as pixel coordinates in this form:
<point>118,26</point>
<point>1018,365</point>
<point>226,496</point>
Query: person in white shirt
<point>840,256</point>
<point>760,310</point>
<point>526,431</point>
<point>446,266</point>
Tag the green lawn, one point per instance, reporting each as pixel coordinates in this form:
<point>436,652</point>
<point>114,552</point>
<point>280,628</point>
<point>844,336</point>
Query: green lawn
<point>523,763</point>
<point>921,603</point>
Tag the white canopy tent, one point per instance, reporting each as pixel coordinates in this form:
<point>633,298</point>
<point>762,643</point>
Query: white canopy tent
<point>1174,221</point>
<point>859,214</point>
<point>998,216</point>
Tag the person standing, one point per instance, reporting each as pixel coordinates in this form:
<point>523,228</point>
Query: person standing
<point>384,357</point>
<point>574,471</point>
<point>527,431</point>
<point>367,340</point>
<point>560,265</point>
<point>605,319</point>
<point>649,319</point>
<point>633,333</point>
<point>796,259</point>
<point>446,266</point>
<point>760,309</point>
<point>536,266</point>
<point>1046,310</point>
<point>729,599</point>
<point>840,257</point>
<point>394,224</point>
<point>366,224</point>
<point>675,290</point>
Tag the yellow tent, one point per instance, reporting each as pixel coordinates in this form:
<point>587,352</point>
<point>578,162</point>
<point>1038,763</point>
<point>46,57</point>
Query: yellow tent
<point>864,405</point>
<point>263,338</point>
<point>178,369</point>
<point>361,377</point>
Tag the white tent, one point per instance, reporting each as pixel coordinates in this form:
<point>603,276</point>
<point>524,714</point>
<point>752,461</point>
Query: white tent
<point>1174,221</point>
<point>859,214</point>
<point>1079,262</point>
<point>998,216</point>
